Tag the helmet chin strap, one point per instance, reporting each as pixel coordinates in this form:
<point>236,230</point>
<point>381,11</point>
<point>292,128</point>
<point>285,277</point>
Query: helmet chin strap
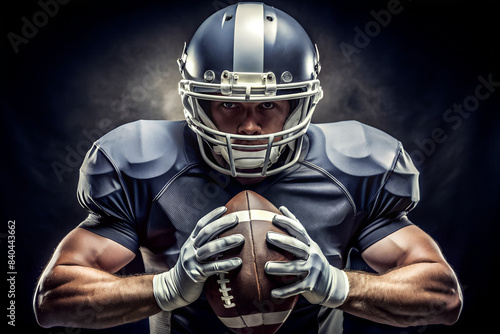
<point>249,159</point>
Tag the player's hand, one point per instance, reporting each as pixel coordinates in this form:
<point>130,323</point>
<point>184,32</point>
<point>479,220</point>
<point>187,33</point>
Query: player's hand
<point>184,283</point>
<point>321,283</point>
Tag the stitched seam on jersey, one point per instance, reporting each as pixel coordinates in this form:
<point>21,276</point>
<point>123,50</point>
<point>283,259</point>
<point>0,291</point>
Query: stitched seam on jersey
<point>120,178</point>
<point>176,175</point>
<point>82,202</point>
<point>96,204</point>
<point>399,151</point>
<point>334,180</point>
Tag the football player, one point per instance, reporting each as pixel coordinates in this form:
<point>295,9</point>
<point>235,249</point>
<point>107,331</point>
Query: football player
<point>249,88</point>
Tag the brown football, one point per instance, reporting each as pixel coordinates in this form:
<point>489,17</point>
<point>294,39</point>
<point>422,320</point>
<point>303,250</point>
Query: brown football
<point>242,298</point>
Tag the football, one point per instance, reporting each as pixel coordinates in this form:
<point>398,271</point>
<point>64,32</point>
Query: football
<point>242,298</point>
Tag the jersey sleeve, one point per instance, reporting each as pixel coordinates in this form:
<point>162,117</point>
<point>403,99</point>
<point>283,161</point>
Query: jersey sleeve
<point>398,195</point>
<point>102,191</point>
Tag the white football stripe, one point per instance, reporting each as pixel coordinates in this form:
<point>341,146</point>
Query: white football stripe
<point>257,319</point>
<point>248,215</point>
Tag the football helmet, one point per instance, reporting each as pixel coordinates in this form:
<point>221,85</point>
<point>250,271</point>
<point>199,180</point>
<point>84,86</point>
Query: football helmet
<point>250,52</point>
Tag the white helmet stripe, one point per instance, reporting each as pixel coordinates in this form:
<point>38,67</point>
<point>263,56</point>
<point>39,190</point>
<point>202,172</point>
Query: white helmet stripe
<point>248,55</point>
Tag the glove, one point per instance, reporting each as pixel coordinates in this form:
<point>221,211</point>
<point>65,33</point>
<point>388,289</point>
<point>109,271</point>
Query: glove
<point>320,282</point>
<point>184,283</point>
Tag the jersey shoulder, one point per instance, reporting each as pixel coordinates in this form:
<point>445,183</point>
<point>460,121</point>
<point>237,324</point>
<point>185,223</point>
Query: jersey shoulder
<point>353,147</point>
<point>127,167</point>
<point>142,149</point>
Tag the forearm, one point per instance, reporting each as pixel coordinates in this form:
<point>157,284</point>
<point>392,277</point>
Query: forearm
<point>76,296</point>
<point>417,294</point>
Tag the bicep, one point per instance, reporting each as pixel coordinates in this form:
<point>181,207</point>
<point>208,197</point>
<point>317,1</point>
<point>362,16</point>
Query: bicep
<point>408,245</point>
<point>87,249</point>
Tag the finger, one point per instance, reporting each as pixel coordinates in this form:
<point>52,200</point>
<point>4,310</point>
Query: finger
<point>289,244</point>
<point>214,228</point>
<point>219,246</point>
<point>287,212</point>
<point>288,291</point>
<point>207,219</point>
<point>221,266</point>
<point>293,227</point>
<point>289,268</point>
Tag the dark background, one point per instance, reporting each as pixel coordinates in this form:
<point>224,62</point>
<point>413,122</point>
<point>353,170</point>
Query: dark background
<point>91,66</point>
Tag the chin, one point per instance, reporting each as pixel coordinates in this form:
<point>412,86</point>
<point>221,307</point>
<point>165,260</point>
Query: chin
<point>250,180</point>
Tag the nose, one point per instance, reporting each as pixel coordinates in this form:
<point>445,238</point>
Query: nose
<point>250,124</point>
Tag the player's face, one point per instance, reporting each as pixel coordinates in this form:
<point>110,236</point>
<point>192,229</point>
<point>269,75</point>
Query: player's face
<point>250,118</point>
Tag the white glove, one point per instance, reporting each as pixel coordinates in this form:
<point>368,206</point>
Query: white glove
<point>184,283</point>
<point>321,283</point>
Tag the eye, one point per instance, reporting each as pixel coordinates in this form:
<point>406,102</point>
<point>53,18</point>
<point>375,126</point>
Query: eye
<point>229,105</point>
<point>267,105</point>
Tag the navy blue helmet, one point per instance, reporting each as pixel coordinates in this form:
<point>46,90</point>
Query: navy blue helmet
<point>250,52</point>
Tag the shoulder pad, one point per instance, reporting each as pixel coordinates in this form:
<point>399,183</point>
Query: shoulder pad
<point>358,149</point>
<point>144,149</point>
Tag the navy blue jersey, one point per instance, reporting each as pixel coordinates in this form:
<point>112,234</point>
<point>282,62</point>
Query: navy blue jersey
<point>146,185</point>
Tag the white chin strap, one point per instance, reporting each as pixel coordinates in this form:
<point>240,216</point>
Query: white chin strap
<point>248,159</point>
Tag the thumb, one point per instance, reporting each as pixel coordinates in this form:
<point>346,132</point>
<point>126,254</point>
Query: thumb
<point>284,210</point>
